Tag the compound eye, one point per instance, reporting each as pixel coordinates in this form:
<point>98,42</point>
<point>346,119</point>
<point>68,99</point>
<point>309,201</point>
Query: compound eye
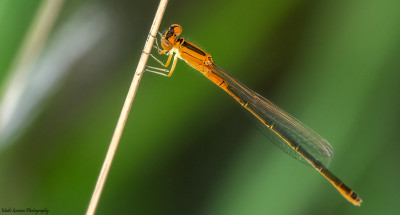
<point>167,45</point>
<point>177,29</point>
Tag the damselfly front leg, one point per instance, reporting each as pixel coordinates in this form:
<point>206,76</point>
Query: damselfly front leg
<point>160,51</point>
<point>171,45</point>
<point>151,69</point>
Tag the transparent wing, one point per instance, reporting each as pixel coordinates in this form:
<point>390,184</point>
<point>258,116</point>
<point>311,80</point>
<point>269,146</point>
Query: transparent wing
<point>289,128</point>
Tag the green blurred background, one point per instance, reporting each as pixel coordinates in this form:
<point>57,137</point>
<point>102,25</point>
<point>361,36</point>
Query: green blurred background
<point>188,148</point>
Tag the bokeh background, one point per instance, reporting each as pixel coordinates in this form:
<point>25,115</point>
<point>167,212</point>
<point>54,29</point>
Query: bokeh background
<point>188,148</point>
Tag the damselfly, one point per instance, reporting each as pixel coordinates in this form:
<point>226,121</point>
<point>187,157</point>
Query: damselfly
<point>289,133</point>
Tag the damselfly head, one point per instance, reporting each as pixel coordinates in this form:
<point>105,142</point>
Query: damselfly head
<point>173,31</point>
<point>170,36</point>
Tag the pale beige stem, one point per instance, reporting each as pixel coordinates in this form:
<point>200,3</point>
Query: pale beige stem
<point>125,110</point>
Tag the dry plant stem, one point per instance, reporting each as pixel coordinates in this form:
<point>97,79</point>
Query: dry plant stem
<point>125,110</point>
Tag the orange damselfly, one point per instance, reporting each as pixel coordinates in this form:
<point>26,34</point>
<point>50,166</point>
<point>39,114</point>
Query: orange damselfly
<point>286,131</point>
